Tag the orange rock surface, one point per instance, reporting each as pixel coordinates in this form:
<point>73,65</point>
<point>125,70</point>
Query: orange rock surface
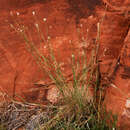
<point>67,20</point>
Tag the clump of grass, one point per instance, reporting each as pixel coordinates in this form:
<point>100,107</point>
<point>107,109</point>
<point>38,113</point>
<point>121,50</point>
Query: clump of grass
<point>2,127</point>
<point>78,108</point>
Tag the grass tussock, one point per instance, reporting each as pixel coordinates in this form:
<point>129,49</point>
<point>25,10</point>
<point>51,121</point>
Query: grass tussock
<point>78,108</point>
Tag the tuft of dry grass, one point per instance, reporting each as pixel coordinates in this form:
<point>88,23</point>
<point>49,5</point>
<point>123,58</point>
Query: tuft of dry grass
<point>74,110</point>
<point>16,114</point>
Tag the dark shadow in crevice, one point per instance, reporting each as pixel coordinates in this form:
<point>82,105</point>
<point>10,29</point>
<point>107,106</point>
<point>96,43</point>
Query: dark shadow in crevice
<point>82,8</point>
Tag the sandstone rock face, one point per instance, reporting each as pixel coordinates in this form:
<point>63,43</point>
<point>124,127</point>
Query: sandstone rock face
<point>64,21</point>
<point>117,95</point>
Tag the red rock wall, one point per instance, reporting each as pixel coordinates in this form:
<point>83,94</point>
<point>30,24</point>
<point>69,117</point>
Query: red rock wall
<point>116,37</point>
<point>19,71</point>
